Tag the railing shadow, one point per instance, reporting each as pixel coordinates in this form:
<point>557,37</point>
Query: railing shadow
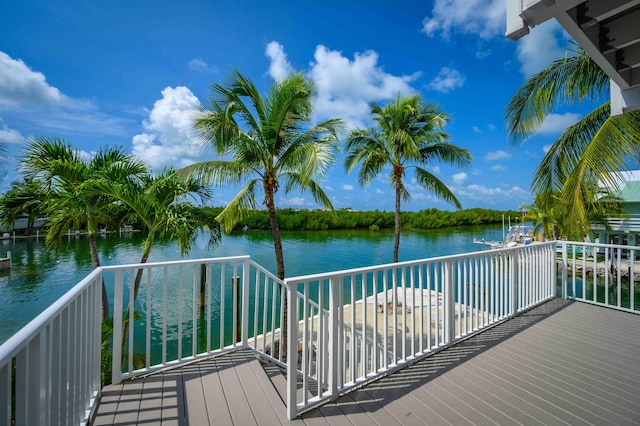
<point>376,395</point>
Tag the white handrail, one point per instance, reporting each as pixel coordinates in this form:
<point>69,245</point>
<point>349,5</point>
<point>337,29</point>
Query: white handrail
<point>431,303</point>
<point>57,361</point>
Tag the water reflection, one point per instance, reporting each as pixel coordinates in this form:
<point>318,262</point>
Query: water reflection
<point>39,275</point>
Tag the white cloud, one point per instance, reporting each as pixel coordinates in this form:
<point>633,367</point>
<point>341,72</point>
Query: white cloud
<point>10,136</point>
<point>459,178</point>
<point>279,67</point>
<point>436,170</point>
<point>293,202</point>
<point>347,187</point>
<point>19,84</point>
<point>345,87</point>
<point>446,80</point>
<point>379,191</point>
<point>498,196</point>
<point>498,168</point>
<point>476,129</point>
<point>541,47</point>
<point>546,148</point>
<point>199,65</point>
<point>555,124</point>
<point>169,138</point>
<point>485,18</point>
<point>26,93</point>
<point>497,155</point>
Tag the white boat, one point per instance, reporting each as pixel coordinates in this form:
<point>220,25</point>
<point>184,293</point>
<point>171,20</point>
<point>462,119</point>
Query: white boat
<point>517,235</point>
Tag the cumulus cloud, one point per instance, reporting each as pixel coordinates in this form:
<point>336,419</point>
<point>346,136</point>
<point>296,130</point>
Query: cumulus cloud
<point>446,80</point>
<point>541,47</point>
<point>345,87</point>
<point>168,138</point>
<point>497,155</point>
<point>484,18</point>
<point>19,84</point>
<point>279,67</point>
<point>347,187</point>
<point>555,124</point>
<point>498,168</point>
<point>459,178</point>
<point>379,191</point>
<point>10,136</point>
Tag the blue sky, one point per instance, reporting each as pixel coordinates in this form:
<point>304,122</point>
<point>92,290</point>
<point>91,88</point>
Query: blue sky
<point>130,73</point>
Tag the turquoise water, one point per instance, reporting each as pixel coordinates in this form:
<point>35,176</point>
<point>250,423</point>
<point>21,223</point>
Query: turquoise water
<point>39,276</point>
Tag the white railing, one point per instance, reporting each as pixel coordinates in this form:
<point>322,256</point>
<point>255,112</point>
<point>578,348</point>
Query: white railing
<point>380,318</point>
<point>630,222</point>
<point>50,369</point>
<point>602,274</point>
<point>189,309</point>
<point>344,328</point>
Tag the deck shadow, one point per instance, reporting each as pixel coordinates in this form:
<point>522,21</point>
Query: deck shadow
<point>375,395</point>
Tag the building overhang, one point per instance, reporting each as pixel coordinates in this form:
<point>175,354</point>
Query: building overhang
<point>608,31</point>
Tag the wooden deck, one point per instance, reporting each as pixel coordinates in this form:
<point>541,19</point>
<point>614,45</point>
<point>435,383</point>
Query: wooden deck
<point>561,363</point>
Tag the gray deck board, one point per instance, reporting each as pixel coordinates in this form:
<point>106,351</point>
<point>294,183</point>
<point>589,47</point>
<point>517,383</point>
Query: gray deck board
<point>561,363</point>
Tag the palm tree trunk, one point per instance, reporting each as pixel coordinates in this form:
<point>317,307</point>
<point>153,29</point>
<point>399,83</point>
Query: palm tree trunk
<point>95,263</point>
<point>396,239</point>
<point>277,244</point>
<point>136,287</point>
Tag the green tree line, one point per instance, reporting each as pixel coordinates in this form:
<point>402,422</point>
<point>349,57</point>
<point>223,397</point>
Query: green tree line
<point>322,220</point>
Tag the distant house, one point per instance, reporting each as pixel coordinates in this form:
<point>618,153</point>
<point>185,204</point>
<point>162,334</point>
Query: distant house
<point>625,229</point>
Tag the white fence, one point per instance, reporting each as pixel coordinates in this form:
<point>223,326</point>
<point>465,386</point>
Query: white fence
<point>380,318</point>
<point>190,309</point>
<point>50,369</point>
<point>602,274</point>
<point>344,328</point>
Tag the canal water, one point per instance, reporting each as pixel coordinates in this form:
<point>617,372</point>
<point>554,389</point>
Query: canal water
<point>40,275</point>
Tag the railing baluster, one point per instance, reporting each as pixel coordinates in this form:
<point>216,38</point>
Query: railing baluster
<point>116,369</point>
<point>292,348</point>
<point>194,310</point>
<point>165,285</point>
<point>209,285</point>
<point>148,322</point>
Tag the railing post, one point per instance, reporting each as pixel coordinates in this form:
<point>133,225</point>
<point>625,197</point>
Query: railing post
<point>334,305</point>
<point>565,294</point>
<point>513,281</point>
<point>116,361</point>
<point>246,274</point>
<point>292,350</point>
<point>449,302</point>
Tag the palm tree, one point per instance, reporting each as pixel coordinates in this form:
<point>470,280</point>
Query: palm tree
<point>409,134</point>
<point>590,152</point>
<point>72,202</point>
<point>268,143</point>
<point>26,196</point>
<point>161,204</point>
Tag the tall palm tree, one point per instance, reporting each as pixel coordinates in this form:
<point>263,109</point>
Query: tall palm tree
<point>267,143</point>
<point>409,134</point>
<point>72,202</point>
<point>590,152</point>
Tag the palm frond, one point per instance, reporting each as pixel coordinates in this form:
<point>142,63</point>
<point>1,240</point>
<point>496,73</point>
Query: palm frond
<point>238,208</point>
<point>567,80</point>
